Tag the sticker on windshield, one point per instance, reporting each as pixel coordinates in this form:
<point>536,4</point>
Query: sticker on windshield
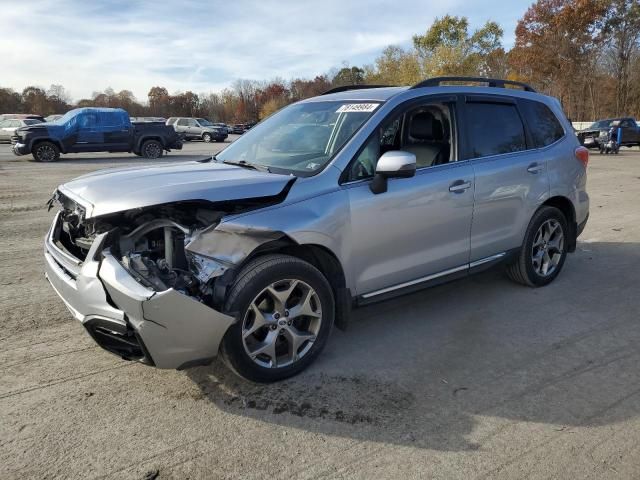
<point>357,107</point>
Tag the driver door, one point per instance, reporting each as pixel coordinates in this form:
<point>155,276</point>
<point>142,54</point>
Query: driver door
<point>419,229</point>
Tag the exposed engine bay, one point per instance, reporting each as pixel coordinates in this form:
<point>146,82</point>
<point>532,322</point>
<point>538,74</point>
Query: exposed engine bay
<point>150,242</point>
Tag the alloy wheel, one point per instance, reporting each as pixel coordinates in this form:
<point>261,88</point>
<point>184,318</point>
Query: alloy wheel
<point>282,323</point>
<point>152,150</point>
<point>547,248</point>
<point>46,153</point>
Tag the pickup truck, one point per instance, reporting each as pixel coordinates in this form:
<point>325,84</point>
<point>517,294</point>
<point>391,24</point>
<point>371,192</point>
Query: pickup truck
<point>94,130</point>
<point>592,136</point>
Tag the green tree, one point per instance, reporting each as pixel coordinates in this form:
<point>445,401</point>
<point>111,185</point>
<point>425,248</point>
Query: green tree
<point>348,76</point>
<point>447,47</point>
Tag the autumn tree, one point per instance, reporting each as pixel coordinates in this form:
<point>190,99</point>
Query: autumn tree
<point>556,48</point>
<point>396,66</point>
<point>10,101</point>
<point>621,30</point>
<point>159,101</point>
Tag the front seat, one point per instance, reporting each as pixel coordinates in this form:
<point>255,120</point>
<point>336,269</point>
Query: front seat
<point>426,140</point>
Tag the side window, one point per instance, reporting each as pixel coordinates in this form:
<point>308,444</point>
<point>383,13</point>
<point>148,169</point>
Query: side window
<point>192,122</point>
<point>183,122</point>
<point>543,125</point>
<point>424,130</point>
<point>627,123</point>
<point>88,120</point>
<point>493,129</point>
<point>111,119</point>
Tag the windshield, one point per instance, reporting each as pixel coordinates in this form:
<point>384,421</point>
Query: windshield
<point>204,123</point>
<point>601,124</point>
<point>301,138</point>
<point>32,121</point>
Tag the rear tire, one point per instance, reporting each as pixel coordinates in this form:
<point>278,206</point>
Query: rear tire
<point>152,149</point>
<point>46,152</point>
<point>280,302</point>
<point>544,249</point>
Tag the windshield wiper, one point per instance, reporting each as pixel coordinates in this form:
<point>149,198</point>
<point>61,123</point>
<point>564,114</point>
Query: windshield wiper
<point>245,164</point>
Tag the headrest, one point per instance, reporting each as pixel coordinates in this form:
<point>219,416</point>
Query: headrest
<point>424,126</point>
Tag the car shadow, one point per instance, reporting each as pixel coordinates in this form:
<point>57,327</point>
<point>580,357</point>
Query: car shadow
<point>450,367</point>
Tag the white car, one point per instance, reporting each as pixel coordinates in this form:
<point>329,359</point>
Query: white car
<point>9,126</point>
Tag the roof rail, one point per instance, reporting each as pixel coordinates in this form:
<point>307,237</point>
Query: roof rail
<point>492,82</point>
<point>346,88</point>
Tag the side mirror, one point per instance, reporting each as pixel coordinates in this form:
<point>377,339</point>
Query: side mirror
<point>393,164</point>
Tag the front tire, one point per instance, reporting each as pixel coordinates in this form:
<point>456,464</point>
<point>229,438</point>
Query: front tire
<point>544,249</point>
<point>285,311</point>
<point>46,152</point>
<point>151,149</point>
<point>206,138</point>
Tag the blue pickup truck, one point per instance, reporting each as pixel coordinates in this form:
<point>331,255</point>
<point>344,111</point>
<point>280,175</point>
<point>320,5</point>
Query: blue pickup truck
<point>94,130</point>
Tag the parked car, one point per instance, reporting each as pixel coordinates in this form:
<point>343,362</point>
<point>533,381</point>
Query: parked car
<point>21,116</point>
<point>259,251</point>
<point>197,129</point>
<point>94,130</point>
<point>598,133</point>
<point>238,129</point>
<point>52,118</point>
<point>8,127</point>
<point>224,127</point>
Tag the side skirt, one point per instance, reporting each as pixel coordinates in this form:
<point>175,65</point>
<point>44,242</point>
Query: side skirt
<point>436,279</point>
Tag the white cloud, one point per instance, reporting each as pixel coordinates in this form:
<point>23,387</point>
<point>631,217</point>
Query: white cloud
<point>202,46</point>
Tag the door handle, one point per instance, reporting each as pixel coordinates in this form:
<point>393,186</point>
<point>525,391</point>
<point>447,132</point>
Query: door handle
<point>459,186</point>
<point>535,168</point>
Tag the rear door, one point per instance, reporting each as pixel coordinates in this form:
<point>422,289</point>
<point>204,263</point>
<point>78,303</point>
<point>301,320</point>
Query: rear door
<point>116,130</point>
<point>511,177</point>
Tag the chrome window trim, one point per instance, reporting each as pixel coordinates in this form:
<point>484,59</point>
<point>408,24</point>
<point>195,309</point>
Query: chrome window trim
<point>434,276</point>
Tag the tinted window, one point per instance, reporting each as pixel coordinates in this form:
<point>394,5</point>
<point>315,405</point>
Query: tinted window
<point>31,122</point>
<point>88,120</point>
<point>183,122</point>
<point>494,129</point>
<point>543,124</point>
<point>112,119</point>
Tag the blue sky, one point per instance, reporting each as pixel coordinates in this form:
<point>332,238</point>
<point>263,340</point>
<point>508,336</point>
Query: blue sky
<point>89,45</point>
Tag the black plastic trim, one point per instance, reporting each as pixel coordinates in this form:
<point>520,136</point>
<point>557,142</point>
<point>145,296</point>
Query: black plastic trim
<point>492,82</point>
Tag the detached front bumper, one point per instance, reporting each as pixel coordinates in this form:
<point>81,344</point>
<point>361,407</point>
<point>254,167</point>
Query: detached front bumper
<point>166,329</point>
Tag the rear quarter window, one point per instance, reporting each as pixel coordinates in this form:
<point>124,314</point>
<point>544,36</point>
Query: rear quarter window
<point>543,125</point>
<point>494,129</point>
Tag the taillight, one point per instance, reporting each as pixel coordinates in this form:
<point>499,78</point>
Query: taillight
<point>582,154</point>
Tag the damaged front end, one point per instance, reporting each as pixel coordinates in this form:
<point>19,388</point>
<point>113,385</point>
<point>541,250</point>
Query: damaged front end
<point>147,283</point>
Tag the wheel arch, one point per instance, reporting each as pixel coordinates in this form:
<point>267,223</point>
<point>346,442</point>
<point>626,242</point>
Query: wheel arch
<point>55,141</point>
<point>568,210</point>
<point>324,260</point>
<point>149,137</point>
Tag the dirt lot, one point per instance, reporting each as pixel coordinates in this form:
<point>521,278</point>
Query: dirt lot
<point>475,379</point>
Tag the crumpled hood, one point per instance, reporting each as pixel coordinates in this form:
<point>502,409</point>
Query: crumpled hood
<point>116,190</point>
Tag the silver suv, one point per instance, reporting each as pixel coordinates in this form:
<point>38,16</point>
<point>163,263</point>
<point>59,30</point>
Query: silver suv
<point>334,202</point>
<point>198,129</point>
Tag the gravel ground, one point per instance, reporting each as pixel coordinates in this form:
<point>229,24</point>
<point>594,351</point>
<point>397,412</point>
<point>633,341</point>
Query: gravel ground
<point>475,379</point>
